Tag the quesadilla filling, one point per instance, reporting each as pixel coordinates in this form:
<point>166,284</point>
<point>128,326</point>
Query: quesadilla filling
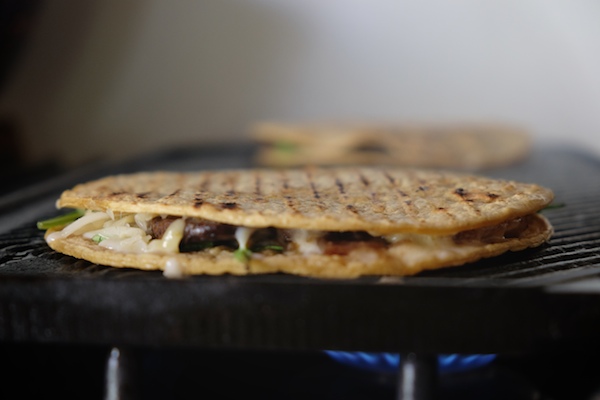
<point>147,233</point>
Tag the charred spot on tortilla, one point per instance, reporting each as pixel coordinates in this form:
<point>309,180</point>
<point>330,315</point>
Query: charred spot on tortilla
<point>336,222</point>
<point>230,205</point>
<point>461,192</point>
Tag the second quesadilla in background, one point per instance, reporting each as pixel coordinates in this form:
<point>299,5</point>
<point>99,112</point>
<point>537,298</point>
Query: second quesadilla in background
<point>456,146</point>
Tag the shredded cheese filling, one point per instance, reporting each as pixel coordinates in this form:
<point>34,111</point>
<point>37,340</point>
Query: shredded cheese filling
<point>129,233</point>
<point>306,241</point>
<point>123,233</point>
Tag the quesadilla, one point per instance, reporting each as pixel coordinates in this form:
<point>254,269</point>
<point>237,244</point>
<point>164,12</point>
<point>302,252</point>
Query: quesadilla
<point>327,222</point>
<point>460,146</point>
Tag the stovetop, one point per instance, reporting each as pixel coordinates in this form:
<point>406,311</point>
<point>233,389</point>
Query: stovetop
<point>539,310</point>
<point>518,302</point>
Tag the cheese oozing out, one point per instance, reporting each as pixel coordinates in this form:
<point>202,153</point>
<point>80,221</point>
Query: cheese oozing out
<point>242,235</point>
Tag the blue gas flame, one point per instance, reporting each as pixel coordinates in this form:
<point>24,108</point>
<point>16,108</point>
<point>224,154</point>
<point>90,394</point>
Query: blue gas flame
<point>389,362</point>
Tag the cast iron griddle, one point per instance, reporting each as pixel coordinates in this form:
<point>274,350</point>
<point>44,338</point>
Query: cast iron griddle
<point>517,303</point>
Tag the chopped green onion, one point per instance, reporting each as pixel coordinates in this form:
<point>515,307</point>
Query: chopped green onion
<point>61,220</point>
<point>274,247</point>
<point>99,237</point>
<point>242,255</point>
<point>285,147</point>
<point>553,206</point>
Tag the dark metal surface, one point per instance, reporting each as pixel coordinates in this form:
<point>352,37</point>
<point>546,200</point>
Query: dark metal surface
<point>514,304</point>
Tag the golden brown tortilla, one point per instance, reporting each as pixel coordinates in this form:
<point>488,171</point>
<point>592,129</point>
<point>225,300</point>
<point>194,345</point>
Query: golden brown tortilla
<point>384,200</point>
<point>377,200</point>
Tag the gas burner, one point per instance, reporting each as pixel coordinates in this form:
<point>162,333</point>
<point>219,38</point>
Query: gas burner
<point>390,362</point>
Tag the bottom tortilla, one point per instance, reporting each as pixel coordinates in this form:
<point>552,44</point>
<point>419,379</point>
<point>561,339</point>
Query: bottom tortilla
<point>399,259</point>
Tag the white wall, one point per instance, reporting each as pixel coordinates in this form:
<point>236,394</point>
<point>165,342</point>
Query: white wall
<point>120,77</point>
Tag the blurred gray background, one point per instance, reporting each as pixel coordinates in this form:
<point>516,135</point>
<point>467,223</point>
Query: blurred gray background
<point>110,79</point>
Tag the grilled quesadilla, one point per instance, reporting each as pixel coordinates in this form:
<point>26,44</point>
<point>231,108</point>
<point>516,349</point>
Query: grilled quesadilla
<point>329,222</point>
<point>457,146</point>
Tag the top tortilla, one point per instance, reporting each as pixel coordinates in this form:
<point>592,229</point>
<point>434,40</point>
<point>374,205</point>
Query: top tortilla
<point>466,146</point>
<point>379,200</point>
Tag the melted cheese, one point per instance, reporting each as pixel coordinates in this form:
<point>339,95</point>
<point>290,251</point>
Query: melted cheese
<point>142,219</point>
<point>172,236</point>
<point>126,234</point>
<point>90,221</point>
<point>120,238</point>
<point>306,241</point>
<point>129,234</point>
<point>432,241</point>
<point>173,269</point>
<point>242,235</point>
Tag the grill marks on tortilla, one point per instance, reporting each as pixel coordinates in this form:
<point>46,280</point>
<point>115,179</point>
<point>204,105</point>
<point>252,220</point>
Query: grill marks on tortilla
<point>342,192</point>
<point>201,192</point>
<point>315,192</point>
<point>378,198</point>
<point>382,200</point>
<point>209,185</point>
<point>470,196</point>
<point>257,186</point>
<point>326,193</point>
<point>285,189</point>
<point>402,198</point>
<point>298,194</point>
<point>225,191</point>
<point>473,197</point>
<point>340,186</point>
